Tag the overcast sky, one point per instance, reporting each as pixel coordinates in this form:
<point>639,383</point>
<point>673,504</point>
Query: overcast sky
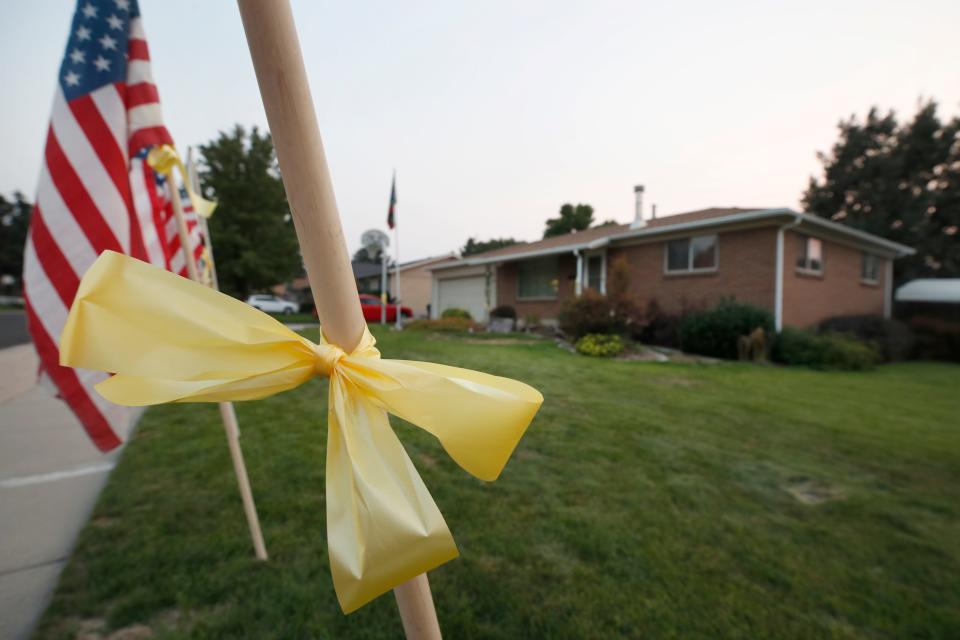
<point>494,113</point>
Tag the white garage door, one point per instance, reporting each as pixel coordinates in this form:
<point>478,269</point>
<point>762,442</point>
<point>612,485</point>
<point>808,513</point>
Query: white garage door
<point>464,293</point>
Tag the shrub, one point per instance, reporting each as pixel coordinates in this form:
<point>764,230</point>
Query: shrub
<point>453,312</point>
<point>937,339</point>
<point>714,332</point>
<point>600,345</point>
<point>823,351</point>
<point>504,311</point>
<point>444,324</point>
<point>589,313</point>
<point>659,327</point>
<point>894,340</point>
<point>531,321</point>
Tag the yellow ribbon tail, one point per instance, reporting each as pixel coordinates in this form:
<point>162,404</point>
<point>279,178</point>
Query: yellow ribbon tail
<point>383,528</point>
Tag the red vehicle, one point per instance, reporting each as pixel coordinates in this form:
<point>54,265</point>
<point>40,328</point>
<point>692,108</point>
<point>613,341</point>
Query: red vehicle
<point>371,309</point>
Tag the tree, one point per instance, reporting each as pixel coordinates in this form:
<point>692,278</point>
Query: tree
<point>900,182</point>
<point>571,219</point>
<point>14,223</point>
<point>253,236</point>
<point>479,246</point>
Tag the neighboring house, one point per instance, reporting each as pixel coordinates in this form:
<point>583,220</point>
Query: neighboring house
<point>369,276</point>
<point>932,297</point>
<point>416,283</point>
<point>801,267</point>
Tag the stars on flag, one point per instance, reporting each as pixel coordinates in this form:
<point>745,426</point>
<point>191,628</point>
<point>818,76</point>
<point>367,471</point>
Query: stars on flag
<point>97,49</point>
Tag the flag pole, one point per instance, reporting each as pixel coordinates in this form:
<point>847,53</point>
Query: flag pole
<point>227,413</point>
<point>204,225</point>
<point>396,244</point>
<point>278,62</point>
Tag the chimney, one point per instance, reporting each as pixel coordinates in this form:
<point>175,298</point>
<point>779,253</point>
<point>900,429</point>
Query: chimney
<point>638,220</point>
<point>653,212</point>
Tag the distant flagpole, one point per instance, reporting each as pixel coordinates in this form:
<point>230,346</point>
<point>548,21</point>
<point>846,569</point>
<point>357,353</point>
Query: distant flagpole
<point>392,222</point>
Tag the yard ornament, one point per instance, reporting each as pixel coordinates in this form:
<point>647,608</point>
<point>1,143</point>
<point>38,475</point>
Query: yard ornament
<point>169,339</point>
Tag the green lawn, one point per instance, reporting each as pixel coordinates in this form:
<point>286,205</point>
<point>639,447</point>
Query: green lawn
<point>646,500</point>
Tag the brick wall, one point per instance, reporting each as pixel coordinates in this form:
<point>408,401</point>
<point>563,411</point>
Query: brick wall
<point>746,271</point>
<point>808,299</point>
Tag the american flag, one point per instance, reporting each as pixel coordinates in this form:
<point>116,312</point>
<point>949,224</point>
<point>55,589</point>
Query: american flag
<point>96,190</point>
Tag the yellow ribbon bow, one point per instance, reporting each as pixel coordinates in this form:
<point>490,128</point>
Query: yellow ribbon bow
<point>163,159</point>
<point>172,340</point>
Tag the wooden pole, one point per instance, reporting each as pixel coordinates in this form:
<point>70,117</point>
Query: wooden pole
<point>275,50</point>
<point>227,414</point>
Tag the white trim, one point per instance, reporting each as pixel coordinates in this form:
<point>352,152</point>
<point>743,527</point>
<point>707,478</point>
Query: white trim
<point>778,283</point>
<point>578,283</point>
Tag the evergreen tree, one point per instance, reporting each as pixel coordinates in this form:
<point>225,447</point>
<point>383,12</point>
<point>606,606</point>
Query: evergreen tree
<point>479,246</point>
<point>900,182</point>
<point>572,218</point>
<point>253,236</point>
<point>14,224</point>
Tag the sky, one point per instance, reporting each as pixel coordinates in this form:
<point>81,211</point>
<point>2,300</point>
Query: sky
<point>495,113</point>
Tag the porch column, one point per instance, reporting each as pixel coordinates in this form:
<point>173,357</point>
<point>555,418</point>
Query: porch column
<point>578,283</point>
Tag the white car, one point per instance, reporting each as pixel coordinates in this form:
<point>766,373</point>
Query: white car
<point>272,304</point>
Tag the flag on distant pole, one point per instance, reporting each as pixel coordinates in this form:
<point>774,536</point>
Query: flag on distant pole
<point>391,214</point>
<point>96,191</point>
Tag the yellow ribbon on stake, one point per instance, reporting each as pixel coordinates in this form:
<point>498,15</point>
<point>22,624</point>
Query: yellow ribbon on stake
<point>163,159</point>
<point>169,339</point>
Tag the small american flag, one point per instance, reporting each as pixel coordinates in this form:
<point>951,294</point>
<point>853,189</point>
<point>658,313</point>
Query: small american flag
<point>96,190</point>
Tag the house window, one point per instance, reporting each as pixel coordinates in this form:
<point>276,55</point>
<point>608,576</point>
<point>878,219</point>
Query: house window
<point>595,273</point>
<point>811,254</point>
<point>538,279</point>
<point>870,268</point>
<point>692,254</point>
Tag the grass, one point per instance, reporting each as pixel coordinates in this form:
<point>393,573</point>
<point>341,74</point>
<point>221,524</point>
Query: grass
<point>294,318</point>
<point>646,500</point>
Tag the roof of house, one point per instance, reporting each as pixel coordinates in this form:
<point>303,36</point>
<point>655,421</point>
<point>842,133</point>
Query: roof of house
<point>413,264</point>
<point>597,237</point>
<point>930,290</point>
<point>365,269</point>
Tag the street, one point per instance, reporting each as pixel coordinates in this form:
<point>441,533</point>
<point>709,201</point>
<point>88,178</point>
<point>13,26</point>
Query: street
<point>13,328</point>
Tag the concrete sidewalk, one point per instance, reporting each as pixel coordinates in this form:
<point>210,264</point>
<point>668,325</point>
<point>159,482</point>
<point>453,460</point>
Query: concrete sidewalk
<point>50,477</point>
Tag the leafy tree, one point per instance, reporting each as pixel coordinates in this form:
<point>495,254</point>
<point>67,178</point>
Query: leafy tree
<point>479,246</point>
<point>572,218</point>
<point>253,236</point>
<point>14,223</point>
<point>898,181</point>
<point>361,255</point>
<point>606,223</point>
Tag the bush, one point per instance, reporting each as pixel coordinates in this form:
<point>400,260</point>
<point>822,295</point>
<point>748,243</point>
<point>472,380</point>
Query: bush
<point>444,324</point>
<point>590,313</point>
<point>600,345</point>
<point>659,327</point>
<point>937,339</point>
<point>823,351</point>
<point>504,311</point>
<point>894,340</point>
<point>714,332</point>
<point>453,312</point>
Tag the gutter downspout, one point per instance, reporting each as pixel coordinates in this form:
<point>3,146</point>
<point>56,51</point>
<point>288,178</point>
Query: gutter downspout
<point>578,283</point>
<point>778,284</point>
<point>888,288</point>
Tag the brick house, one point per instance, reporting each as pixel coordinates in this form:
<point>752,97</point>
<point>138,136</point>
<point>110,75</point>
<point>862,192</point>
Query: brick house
<point>801,267</point>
